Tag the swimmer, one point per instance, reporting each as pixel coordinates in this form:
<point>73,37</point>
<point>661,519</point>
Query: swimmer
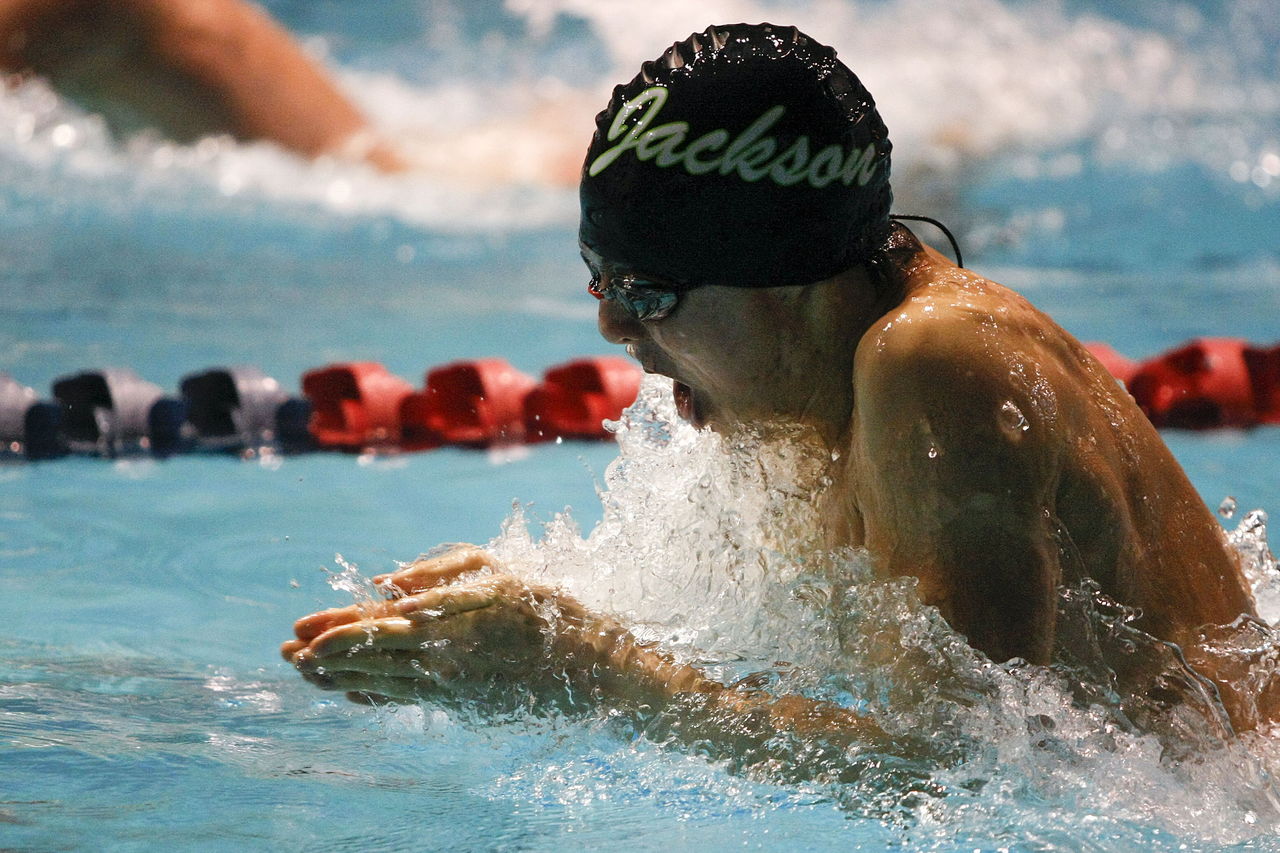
<point>736,227</point>
<point>188,69</point>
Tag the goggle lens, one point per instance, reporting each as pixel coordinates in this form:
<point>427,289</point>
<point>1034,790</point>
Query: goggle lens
<point>642,298</point>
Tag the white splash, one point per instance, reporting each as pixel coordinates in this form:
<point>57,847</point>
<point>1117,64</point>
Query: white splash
<point>674,500</point>
<point>691,551</point>
<point>1260,566</point>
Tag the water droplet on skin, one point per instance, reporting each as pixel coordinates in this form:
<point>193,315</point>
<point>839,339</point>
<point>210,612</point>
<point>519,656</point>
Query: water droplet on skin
<point>1011,418</point>
<point>933,452</point>
<point>1227,509</point>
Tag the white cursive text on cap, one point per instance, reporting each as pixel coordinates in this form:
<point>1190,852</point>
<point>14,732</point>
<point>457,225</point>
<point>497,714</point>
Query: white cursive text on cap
<point>751,154</point>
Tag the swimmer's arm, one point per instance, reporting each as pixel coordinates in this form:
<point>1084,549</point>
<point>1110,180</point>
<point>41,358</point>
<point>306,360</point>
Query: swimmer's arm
<point>454,627</point>
<point>270,88</point>
<point>795,737</point>
<point>683,701</point>
<point>191,68</point>
<point>962,461</point>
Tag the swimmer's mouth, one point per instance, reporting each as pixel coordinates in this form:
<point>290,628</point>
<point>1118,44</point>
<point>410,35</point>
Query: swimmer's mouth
<point>685,404</point>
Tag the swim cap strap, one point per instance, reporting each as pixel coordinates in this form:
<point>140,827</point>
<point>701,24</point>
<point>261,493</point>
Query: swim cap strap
<point>955,247</point>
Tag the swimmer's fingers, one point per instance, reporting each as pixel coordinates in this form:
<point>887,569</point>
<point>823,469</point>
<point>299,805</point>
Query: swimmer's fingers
<point>375,699</point>
<point>432,572</point>
<point>393,633</point>
<point>417,577</point>
<point>424,606</point>
<point>477,630</point>
<point>433,666</point>
<point>369,689</point>
<point>463,597</point>
<point>455,653</point>
<point>484,618</point>
<point>308,628</point>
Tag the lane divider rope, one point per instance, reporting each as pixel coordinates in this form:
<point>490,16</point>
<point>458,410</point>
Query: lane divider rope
<point>1206,383</point>
<point>350,406</point>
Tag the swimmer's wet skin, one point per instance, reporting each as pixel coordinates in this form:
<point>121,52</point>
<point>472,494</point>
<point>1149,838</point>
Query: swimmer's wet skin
<point>735,218</point>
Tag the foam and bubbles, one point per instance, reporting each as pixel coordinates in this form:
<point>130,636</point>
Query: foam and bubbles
<point>671,500</point>
<point>691,551</point>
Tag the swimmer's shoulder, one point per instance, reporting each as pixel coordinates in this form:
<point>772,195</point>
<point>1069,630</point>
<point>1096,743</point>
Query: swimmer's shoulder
<point>948,316</point>
<point>958,350</point>
<point>950,312</point>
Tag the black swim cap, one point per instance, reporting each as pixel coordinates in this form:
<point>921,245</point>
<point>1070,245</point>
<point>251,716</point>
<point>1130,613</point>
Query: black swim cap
<point>746,155</point>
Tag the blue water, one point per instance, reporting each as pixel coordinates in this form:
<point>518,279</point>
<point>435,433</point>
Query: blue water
<point>1119,166</point>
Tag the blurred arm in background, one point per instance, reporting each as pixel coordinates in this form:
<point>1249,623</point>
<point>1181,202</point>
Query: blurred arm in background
<point>187,68</point>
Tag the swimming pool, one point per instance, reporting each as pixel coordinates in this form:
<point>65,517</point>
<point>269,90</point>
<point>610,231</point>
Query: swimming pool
<point>1125,177</point>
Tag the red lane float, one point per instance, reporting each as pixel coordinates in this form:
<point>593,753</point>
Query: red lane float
<point>355,405</point>
<point>1201,385</point>
<point>480,403</point>
<point>472,403</point>
<point>1207,383</point>
<point>574,399</point>
<point>1264,371</point>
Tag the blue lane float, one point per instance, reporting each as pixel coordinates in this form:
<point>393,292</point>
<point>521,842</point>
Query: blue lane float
<point>30,428</point>
<point>233,409</point>
<point>115,412</point>
<point>350,407</point>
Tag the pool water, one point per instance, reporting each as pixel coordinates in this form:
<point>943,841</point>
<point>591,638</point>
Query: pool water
<point>1117,164</point>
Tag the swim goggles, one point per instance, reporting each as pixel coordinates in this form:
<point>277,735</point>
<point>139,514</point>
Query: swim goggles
<point>645,299</point>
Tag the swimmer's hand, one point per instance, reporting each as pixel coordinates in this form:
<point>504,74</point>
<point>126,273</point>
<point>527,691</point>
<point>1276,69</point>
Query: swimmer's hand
<point>457,626</point>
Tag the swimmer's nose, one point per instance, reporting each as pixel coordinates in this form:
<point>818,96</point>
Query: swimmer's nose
<point>617,324</point>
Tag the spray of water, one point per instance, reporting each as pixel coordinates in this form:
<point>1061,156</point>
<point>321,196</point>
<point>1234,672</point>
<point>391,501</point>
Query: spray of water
<point>1250,540</point>
<point>709,546</point>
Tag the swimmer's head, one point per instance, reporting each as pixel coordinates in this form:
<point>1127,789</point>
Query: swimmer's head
<point>746,155</point>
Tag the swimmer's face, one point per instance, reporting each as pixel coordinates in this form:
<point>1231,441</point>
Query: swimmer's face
<point>729,350</point>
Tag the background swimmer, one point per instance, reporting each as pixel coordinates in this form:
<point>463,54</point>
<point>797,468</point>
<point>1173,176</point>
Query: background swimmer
<point>188,68</point>
<point>195,68</point>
